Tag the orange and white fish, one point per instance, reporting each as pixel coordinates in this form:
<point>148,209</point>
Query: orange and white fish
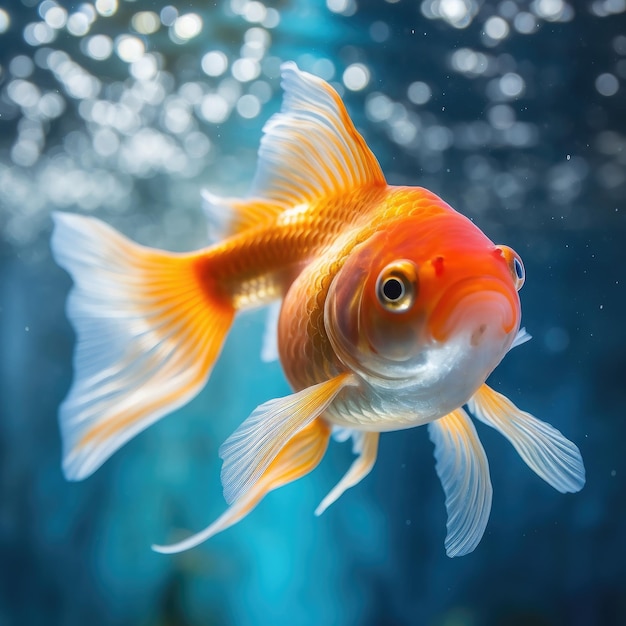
<point>395,310</point>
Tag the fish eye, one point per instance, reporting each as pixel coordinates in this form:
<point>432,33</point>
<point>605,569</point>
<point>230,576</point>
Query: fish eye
<point>397,285</point>
<point>516,267</point>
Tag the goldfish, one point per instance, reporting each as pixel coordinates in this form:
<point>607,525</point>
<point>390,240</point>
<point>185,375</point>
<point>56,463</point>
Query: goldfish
<point>394,310</point>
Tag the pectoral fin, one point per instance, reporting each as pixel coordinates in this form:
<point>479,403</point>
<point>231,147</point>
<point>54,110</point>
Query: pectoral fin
<point>300,455</point>
<point>464,473</point>
<point>366,445</point>
<point>544,449</point>
<point>269,350</point>
<point>253,446</point>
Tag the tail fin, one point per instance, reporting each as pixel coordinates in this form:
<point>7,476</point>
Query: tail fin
<point>148,333</point>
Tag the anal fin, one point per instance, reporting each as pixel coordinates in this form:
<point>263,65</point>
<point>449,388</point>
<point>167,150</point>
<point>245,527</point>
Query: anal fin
<point>367,449</point>
<point>255,444</point>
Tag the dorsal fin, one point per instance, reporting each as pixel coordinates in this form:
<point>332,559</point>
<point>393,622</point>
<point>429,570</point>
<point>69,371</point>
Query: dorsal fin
<point>229,216</point>
<point>309,149</point>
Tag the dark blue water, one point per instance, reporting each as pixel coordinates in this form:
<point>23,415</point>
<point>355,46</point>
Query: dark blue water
<point>511,111</point>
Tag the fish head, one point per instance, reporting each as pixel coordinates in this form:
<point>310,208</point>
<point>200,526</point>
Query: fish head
<point>430,300</point>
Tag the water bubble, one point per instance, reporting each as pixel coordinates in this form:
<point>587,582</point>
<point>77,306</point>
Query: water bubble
<point>176,116</point>
<point>378,107</point>
<point>457,13</point>
<point>262,90</point>
<point>512,85</point>
<point>454,11</point>
<point>521,134</point>
<point>343,7</point>
<point>607,84</point>
<point>25,153</point>
<point>248,106</point>
<point>105,142</point>
<point>186,27</point>
<point>78,24</point>
<point>106,8</point>
<point>98,47</point>
<point>254,12</point>
<point>214,108</point>
<point>168,15</point>
<point>37,33</point>
<point>191,92</point>
<point>21,66</point>
<point>619,44</point>
<point>129,48</point>
<point>51,105</point>
<point>496,29</point>
<point>56,17</point>
<point>5,21</point>
<point>214,63</point>
<point>419,93</point>
<point>501,116</point>
<point>197,145</point>
<point>146,22</point>
<point>438,138</point>
<point>24,93</point>
<point>403,131</point>
<point>525,23</point>
<point>246,69</point>
<point>356,77</point>
<point>550,10</point>
<point>324,68</point>
<point>144,68</point>
<point>380,31</point>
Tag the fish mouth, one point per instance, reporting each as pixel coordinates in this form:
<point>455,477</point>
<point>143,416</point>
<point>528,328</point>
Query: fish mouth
<point>479,307</point>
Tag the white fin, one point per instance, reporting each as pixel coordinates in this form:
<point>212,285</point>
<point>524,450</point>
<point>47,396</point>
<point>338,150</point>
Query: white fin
<point>521,338</point>
<point>311,148</point>
<point>301,454</point>
<point>544,449</point>
<point>253,446</point>
<point>341,434</point>
<point>464,473</point>
<point>366,446</point>
<point>219,214</point>
<point>229,216</point>
<point>269,349</point>
<point>147,336</point>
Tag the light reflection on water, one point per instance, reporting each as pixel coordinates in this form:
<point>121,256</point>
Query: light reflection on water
<point>115,92</point>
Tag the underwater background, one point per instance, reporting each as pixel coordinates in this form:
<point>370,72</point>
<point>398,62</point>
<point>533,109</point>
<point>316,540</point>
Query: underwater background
<point>513,111</point>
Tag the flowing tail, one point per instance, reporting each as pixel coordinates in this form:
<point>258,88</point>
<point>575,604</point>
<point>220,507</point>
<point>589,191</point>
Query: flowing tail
<point>300,455</point>
<point>149,328</point>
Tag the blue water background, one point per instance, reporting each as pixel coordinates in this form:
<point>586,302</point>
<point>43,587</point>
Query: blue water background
<point>552,188</point>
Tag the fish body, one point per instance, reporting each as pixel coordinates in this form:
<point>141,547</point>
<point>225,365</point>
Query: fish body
<point>395,310</point>
<point>409,372</point>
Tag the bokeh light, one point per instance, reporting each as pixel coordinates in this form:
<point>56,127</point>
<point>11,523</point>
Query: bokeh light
<point>186,27</point>
<point>356,77</point>
<point>146,22</point>
<point>5,21</point>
